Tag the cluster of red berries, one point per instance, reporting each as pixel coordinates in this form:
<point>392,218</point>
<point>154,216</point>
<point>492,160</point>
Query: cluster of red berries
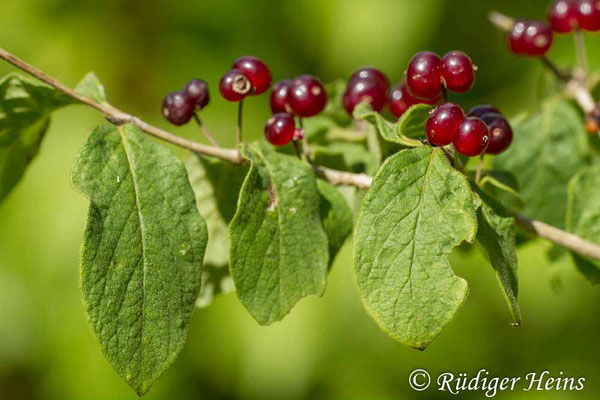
<point>534,38</point>
<point>483,130</point>
<point>179,107</point>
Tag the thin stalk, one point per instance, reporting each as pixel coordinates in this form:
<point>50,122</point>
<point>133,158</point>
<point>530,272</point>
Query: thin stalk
<point>209,136</point>
<point>479,169</point>
<point>238,136</point>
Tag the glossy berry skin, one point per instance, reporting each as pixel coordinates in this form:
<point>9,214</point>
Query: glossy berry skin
<point>516,36</point>
<point>257,72</point>
<point>532,38</point>
<point>373,75</point>
<point>280,129</point>
<point>472,137</point>
<point>481,110</point>
<point>279,96</point>
<point>364,90</point>
<point>400,100</point>
<point>443,123</point>
<point>424,75</point>
<point>307,96</point>
<point>234,85</point>
<point>457,71</point>
<point>501,133</point>
<point>563,16</point>
<point>177,108</point>
<point>196,91</point>
<point>588,14</point>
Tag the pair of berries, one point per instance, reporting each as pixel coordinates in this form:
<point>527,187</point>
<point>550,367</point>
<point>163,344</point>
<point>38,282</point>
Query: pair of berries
<point>366,85</point>
<point>484,129</point>
<point>566,15</point>
<point>401,100</point>
<point>179,107</point>
<point>304,96</point>
<point>530,38</point>
<point>249,76</point>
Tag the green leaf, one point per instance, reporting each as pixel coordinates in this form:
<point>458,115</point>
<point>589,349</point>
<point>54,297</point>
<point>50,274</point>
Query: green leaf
<point>502,186</point>
<point>216,185</point>
<point>547,149</point>
<point>141,258</point>
<point>416,211</point>
<point>336,216</point>
<point>25,108</point>
<point>583,214</point>
<point>91,87</point>
<point>412,123</point>
<point>277,243</point>
<point>496,233</point>
<point>388,130</point>
<point>353,157</point>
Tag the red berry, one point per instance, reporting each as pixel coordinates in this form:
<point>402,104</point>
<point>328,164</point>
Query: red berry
<point>443,124</point>
<point>401,100</point>
<point>177,108</point>
<point>481,110</point>
<point>307,96</point>
<point>500,133</point>
<point>279,96</point>
<point>537,39</point>
<point>563,16</point>
<point>424,75</point>
<point>364,90</point>
<point>472,137</point>
<point>257,72</point>
<point>371,74</point>
<point>516,36</point>
<point>197,91</point>
<point>235,85</point>
<point>280,129</point>
<point>589,14</point>
<point>458,71</point>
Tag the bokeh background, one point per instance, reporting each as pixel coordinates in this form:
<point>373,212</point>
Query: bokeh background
<point>327,348</point>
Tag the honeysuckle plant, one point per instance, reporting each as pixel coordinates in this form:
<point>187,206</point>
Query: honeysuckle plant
<point>266,219</point>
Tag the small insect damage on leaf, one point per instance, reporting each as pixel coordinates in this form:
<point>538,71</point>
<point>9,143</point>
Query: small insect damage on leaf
<point>272,194</point>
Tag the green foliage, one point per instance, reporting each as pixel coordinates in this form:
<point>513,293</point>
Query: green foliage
<point>395,132</point>
<point>412,123</point>
<point>416,211</point>
<point>336,216</point>
<point>91,87</point>
<point>502,186</point>
<point>583,214</point>
<point>142,251</point>
<point>278,248</point>
<point>547,149</point>
<point>25,108</point>
<point>496,233</point>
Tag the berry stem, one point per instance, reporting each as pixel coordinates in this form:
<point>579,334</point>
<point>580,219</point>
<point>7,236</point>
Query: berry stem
<point>444,93</point>
<point>238,136</point>
<point>361,181</point>
<point>209,136</point>
<point>479,169</point>
<point>581,54</point>
<point>305,147</point>
<point>561,75</point>
<point>297,148</point>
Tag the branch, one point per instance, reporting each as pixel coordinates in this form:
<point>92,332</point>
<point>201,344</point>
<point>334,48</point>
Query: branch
<point>362,181</point>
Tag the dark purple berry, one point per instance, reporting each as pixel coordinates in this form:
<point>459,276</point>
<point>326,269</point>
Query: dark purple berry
<point>280,129</point>
<point>197,91</point>
<point>307,96</point>
<point>401,99</point>
<point>563,16</point>
<point>481,110</point>
<point>257,72</point>
<point>371,74</point>
<point>443,124</point>
<point>177,108</point>
<point>458,71</point>
<point>500,133</point>
<point>472,137</point>
<point>588,15</point>
<point>279,96</point>
<point>424,75</point>
<point>235,85</point>
<point>364,90</point>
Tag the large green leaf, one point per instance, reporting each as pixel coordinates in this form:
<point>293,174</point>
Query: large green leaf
<point>583,216</point>
<point>336,216</point>
<point>25,108</point>
<point>277,243</point>
<point>496,233</point>
<point>547,149</point>
<point>216,185</point>
<point>141,259</point>
<point>416,211</point>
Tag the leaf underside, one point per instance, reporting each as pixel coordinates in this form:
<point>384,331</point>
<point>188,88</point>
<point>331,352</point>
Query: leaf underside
<point>278,248</point>
<point>416,211</point>
<point>142,251</point>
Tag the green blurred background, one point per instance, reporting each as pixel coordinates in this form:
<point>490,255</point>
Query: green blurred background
<point>327,348</point>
